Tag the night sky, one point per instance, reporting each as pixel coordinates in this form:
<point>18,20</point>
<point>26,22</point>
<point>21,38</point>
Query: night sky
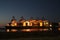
<point>50,9</point>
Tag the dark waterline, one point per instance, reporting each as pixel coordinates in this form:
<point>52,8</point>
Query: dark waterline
<point>25,36</point>
<point>2,29</point>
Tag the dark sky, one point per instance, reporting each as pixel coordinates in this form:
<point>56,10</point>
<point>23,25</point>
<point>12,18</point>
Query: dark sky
<point>50,9</point>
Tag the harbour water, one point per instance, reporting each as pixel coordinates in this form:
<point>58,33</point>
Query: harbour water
<point>40,38</point>
<point>28,36</point>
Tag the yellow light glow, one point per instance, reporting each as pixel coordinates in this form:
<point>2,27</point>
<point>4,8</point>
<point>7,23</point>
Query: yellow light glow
<point>13,30</point>
<point>7,30</point>
<point>24,24</point>
<point>26,30</point>
<point>30,24</point>
<point>41,24</point>
<point>50,25</point>
<point>47,23</point>
<point>27,23</point>
<point>13,23</point>
<point>45,29</point>
<point>29,30</point>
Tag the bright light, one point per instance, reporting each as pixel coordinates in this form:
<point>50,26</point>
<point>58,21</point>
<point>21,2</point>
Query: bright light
<point>26,30</point>
<point>27,23</point>
<point>14,24</point>
<point>50,25</point>
<point>29,30</point>
<point>45,23</point>
<point>13,30</point>
<point>41,24</point>
<point>7,30</point>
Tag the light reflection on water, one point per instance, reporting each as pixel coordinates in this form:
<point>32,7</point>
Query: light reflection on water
<point>28,30</point>
<point>2,29</point>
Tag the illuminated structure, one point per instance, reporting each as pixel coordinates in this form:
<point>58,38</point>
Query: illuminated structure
<point>13,22</point>
<point>32,23</point>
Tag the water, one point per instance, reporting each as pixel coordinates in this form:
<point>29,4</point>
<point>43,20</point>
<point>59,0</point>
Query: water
<point>31,38</point>
<point>2,29</point>
<point>39,38</point>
